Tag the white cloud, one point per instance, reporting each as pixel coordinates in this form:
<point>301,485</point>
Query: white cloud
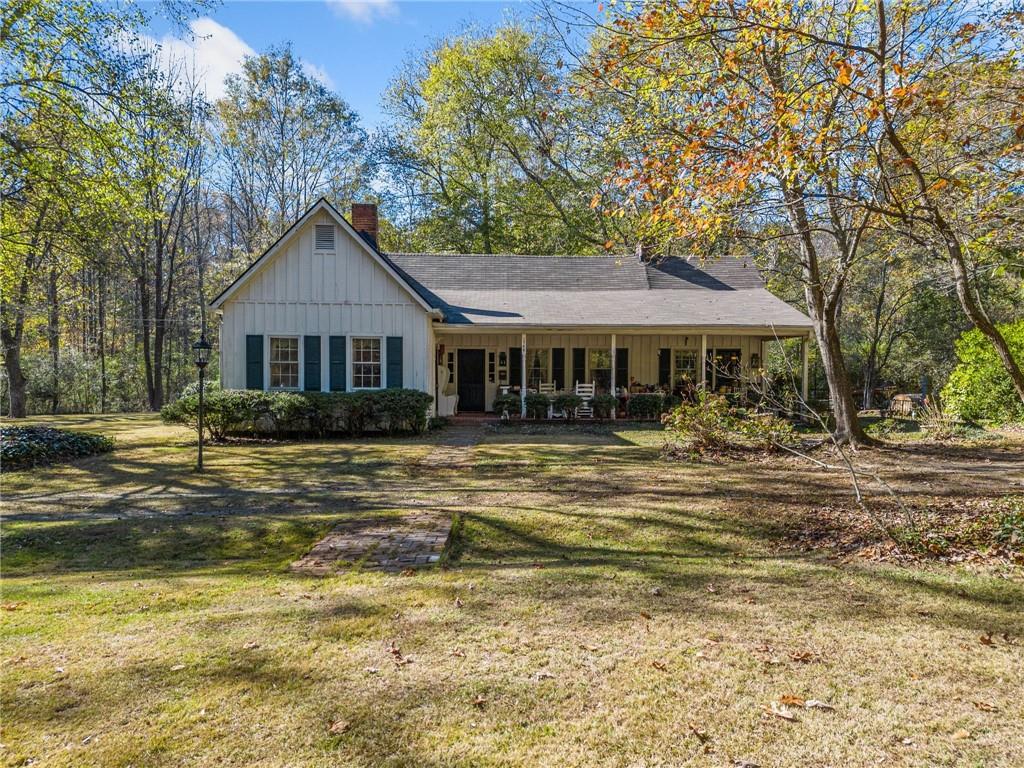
<point>364,11</point>
<point>318,73</point>
<point>212,52</point>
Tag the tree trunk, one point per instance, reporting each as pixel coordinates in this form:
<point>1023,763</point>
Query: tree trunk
<point>974,310</point>
<point>53,335</point>
<point>101,322</point>
<point>826,332</point>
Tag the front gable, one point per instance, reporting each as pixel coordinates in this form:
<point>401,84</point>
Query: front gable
<point>294,271</point>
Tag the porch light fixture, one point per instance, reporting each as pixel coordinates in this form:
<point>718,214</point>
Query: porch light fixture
<point>201,356</point>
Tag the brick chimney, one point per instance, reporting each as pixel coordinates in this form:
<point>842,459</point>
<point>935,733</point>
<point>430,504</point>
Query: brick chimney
<point>364,219</point>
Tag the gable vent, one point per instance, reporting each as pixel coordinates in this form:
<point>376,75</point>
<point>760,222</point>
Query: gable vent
<point>324,237</point>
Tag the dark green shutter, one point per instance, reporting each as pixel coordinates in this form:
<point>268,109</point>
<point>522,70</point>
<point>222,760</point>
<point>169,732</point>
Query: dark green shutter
<point>622,367</point>
<point>254,362</point>
<point>558,367</point>
<point>394,379</point>
<point>664,367</point>
<point>336,353</point>
<point>579,366</point>
<point>311,363</point>
<point>515,366</point>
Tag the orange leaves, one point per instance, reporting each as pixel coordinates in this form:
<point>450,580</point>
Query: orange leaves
<point>845,73</point>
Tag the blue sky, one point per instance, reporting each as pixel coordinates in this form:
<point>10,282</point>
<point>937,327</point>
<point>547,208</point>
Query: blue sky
<point>355,47</point>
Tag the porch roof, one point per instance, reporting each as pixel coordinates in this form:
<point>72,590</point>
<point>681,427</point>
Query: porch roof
<point>590,291</point>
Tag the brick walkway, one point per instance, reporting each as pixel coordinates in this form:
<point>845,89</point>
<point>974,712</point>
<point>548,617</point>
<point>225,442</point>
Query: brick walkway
<point>386,544</point>
<point>411,540</point>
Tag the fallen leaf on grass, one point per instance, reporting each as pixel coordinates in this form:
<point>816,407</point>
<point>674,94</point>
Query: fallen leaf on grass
<point>339,726</point>
<point>745,764</point>
<point>656,592</point>
<point>12,606</point>
<point>458,603</point>
<point>251,645</point>
<point>711,588</point>
<point>372,670</point>
<point>408,572</point>
<point>458,652</point>
<point>659,665</point>
<point>791,701</point>
<point>984,706</point>
<point>479,701</point>
<point>781,711</point>
<point>986,639</point>
<point>961,735</point>
<point>702,735</point>
<point>177,667</point>
<point>645,615</point>
<point>804,657</point>
<point>544,675</point>
<point>815,704</point>
<point>591,648</point>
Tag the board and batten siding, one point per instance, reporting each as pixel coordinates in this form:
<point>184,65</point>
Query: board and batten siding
<point>300,292</point>
<point>643,348</point>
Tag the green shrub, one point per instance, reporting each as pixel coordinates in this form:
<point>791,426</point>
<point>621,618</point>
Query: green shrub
<point>400,410</point>
<point>644,406</point>
<point>712,424</point>
<point>670,402</point>
<point>22,447</point>
<point>604,406</point>
<point>508,402</point>
<point>979,388</point>
<point>567,403</point>
<point>235,411</point>
<point>537,405</point>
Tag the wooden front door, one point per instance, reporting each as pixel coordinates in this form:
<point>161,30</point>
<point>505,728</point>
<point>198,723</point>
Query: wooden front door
<point>471,379</point>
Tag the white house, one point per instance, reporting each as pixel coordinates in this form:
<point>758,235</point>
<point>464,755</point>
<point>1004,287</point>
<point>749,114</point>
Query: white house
<point>323,309</point>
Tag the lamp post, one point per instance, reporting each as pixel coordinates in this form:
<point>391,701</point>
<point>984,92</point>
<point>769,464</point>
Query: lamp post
<point>201,353</point>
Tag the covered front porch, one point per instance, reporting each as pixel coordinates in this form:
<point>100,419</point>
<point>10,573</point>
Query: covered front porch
<point>474,366</point>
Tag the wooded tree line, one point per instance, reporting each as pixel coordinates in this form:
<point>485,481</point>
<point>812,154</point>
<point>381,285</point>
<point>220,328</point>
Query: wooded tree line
<point>868,155</point>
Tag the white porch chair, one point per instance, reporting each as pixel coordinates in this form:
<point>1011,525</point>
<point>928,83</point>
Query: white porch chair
<point>586,391</point>
<point>548,388</point>
<point>448,393</point>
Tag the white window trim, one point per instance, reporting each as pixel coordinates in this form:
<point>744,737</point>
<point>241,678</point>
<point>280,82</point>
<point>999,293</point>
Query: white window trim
<point>352,362</point>
<point>696,356</point>
<point>590,375</point>
<point>529,352</point>
<point>266,372</point>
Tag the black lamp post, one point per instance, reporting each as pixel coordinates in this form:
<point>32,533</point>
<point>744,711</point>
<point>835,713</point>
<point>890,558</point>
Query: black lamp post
<point>201,352</point>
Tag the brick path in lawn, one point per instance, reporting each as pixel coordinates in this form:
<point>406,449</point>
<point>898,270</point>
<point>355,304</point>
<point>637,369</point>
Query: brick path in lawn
<point>412,540</point>
<point>383,543</point>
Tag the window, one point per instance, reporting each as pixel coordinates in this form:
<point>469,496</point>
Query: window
<point>538,369</point>
<point>600,363</point>
<point>726,370</point>
<point>451,367</point>
<point>284,362</point>
<point>365,363</point>
<point>490,367</point>
<point>323,236</point>
<point>684,367</point>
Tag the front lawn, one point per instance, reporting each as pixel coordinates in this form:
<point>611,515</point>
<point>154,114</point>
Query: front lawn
<point>602,607</point>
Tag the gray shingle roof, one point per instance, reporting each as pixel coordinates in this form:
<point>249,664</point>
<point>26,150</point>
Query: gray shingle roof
<point>594,291</point>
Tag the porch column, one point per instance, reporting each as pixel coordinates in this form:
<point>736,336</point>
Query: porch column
<point>522,383</point>
<point>703,361</point>
<point>614,408</point>
<point>804,354</point>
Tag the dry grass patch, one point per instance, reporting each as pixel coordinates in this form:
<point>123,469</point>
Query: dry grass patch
<point>601,607</point>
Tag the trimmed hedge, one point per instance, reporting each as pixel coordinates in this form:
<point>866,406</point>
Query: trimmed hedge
<point>22,447</point>
<point>508,402</point>
<point>567,403</point>
<point>537,405</point>
<point>645,406</point>
<point>241,411</point>
<point>604,406</point>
